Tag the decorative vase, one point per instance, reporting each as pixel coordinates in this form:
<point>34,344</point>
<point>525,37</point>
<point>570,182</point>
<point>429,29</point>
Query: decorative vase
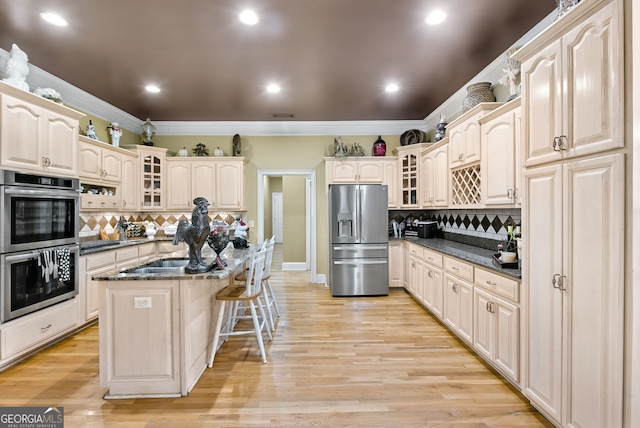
<point>379,147</point>
<point>183,152</point>
<point>218,243</point>
<point>478,93</point>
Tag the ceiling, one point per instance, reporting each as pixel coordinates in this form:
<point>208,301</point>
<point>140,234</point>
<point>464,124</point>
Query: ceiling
<point>332,58</point>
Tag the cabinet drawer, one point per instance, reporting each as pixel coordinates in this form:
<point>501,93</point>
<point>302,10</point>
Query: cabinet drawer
<point>415,251</point>
<point>127,254</point>
<point>458,268</point>
<point>432,257</point>
<point>35,329</point>
<point>498,285</point>
<point>103,259</point>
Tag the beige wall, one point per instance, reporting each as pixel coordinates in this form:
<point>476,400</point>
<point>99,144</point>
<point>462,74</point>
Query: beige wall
<point>295,218</point>
<point>271,185</point>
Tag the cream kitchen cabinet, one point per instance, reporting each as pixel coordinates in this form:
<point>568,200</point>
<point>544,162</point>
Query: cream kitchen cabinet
<point>496,322</point>
<point>464,136</point>
<point>130,183</point>
<point>416,287</point>
<point>151,175</point>
<point>358,170</point>
<point>435,175</point>
<point>433,281</point>
<point>500,164</point>
<point>409,174</point>
<point>93,265</point>
<point>391,180</point>
<point>572,79</point>
<point>221,181</point>
<point>99,161</point>
<point>573,305</point>
<point>37,135</point>
<point>396,263</point>
<point>458,298</point>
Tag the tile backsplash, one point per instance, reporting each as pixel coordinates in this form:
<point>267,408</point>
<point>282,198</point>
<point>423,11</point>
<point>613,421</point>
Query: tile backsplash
<point>490,224</point>
<point>92,222</point>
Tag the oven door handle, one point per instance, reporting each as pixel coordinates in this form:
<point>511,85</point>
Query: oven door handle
<point>22,256</point>
<point>50,193</point>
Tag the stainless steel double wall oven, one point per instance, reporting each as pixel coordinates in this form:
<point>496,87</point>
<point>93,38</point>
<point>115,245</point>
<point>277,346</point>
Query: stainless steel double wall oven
<point>39,242</point>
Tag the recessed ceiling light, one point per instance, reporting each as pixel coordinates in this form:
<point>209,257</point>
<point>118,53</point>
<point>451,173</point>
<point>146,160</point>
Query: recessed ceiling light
<point>54,19</point>
<point>152,88</point>
<point>248,17</point>
<point>436,17</point>
<point>273,88</point>
<point>392,87</point>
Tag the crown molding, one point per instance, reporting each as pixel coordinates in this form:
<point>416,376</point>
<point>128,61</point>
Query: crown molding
<point>451,108</point>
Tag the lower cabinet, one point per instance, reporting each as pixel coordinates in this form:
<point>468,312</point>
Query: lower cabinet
<point>92,265</point>
<point>481,307</point>
<point>396,265</point>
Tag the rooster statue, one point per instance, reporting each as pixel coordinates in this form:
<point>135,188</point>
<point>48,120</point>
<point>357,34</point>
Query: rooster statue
<point>195,235</point>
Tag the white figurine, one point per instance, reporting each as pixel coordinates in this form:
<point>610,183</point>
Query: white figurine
<point>91,131</point>
<point>17,68</point>
<point>115,132</point>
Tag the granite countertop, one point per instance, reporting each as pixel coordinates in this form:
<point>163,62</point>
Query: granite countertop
<point>476,255</point>
<point>96,245</point>
<point>233,258</point>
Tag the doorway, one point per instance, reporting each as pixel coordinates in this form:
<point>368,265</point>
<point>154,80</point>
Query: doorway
<point>277,216</point>
<point>310,221</point>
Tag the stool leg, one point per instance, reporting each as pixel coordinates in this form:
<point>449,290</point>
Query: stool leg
<point>256,325</point>
<point>273,297</point>
<point>216,333</point>
<point>267,304</point>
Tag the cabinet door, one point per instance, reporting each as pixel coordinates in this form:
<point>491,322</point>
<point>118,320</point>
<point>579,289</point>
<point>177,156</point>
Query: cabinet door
<point>426,180</point>
<point>345,171</point>
<point>396,265</point>
<point>437,279</point>
<point>456,146</point>
<point>498,160</point>
<point>22,135</point>
<point>178,179</point>
<point>593,263</point>
<point>90,161</point>
<point>229,186</point>
<point>593,72</point>
<point>61,144</point>
<point>451,315</point>
<point>441,176</point>
<point>409,180</point>
<point>507,333</point>
<point>542,88</point>
<point>484,325</point>
<point>203,180</point>
<point>152,195</point>
<point>391,180</point>
<point>370,171</point>
<point>415,282</point>
<point>464,142</point>
<point>542,229</point>
<point>112,166</point>
<point>465,326</point>
<point>130,187</point>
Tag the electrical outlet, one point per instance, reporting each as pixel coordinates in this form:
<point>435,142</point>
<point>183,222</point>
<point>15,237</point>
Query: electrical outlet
<point>142,302</point>
<point>250,223</point>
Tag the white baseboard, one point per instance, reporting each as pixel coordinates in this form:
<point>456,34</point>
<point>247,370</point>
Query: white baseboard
<point>320,279</point>
<point>294,266</point>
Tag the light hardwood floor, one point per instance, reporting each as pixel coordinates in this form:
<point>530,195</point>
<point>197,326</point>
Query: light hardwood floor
<point>333,362</point>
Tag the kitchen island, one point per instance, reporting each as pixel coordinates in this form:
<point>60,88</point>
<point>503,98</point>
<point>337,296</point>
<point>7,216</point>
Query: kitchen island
<point>155,325</point>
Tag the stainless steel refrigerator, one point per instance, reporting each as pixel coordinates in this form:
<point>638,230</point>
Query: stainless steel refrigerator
<point>359,240</point>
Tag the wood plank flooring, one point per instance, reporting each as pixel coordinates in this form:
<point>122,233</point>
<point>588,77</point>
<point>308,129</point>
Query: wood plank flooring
<point>333,362</point>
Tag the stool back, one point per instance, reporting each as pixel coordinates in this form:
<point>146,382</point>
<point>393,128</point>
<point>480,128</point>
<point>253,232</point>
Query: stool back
<point>256,272</point>
<point>270,244</point>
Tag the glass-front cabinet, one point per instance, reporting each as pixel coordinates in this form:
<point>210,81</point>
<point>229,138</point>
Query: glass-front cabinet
<point>152,161</point>
<point>409,165</point>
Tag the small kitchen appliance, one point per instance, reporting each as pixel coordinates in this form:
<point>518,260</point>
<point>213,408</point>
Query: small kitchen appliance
<point>427,229</point>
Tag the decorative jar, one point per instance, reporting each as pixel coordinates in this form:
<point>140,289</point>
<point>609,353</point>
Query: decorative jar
<point>379,147</point>
<point>478,93</point>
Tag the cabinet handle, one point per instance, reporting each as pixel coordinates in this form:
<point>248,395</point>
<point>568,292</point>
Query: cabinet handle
<point>556,281</point>
<point>561,283</point>
<point>490,307</point>
<point>490,282</point>
<point>460,157</point>
<point>430,274</point>
<point>454,287</point>
<point>43,329</point>
<point>455,268</point>
<point>559,143</point>
<point>510,193</point>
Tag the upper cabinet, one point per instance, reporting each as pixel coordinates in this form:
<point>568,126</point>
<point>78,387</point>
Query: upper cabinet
<point>151,173</point>
<point>500,165</point>
<point>435,175</point>
<point>220,180</point>
<point>409,174</point>
<point>573,86</point>
<point>130,187</point>
<point>99,161</point>
<point>36,134</point>
<point>464,136</point>
<point>365,170</point>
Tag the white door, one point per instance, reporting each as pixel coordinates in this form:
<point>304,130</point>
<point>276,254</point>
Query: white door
<point>276,215</point>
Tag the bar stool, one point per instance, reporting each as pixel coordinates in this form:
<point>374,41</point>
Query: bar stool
<point>268,294</point>
<point>248,295</point>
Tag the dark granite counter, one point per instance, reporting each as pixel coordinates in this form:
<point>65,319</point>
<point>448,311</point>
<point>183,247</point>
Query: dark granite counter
<point>96,245</point>
<point>476,255</point>
<point>232,257</point>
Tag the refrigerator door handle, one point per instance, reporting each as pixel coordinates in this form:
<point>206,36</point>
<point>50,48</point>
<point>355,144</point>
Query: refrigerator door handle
<point>359,247</point>
<point>357,232</point>
<point>361,262</point>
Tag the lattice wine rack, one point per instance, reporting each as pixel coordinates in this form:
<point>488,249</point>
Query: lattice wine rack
<point>466,186</point>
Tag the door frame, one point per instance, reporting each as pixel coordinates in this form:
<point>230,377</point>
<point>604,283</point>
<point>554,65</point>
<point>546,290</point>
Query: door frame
<point>273,199</point>
<point>311,238</point>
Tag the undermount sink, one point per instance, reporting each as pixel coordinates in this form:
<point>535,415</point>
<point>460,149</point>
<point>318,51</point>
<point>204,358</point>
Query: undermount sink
<point>159,267</point>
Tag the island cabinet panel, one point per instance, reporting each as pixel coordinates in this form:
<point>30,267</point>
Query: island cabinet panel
<point>139,338</point>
